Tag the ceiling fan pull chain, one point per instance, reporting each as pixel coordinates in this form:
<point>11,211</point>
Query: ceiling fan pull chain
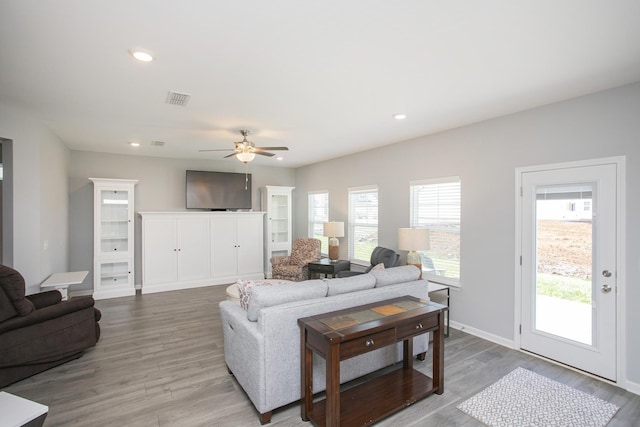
<point>246,175</point>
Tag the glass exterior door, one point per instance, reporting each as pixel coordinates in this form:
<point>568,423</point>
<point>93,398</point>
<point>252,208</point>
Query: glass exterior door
<point>569,260</point>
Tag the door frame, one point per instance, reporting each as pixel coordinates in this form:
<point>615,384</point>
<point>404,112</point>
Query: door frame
<point>621,327</point>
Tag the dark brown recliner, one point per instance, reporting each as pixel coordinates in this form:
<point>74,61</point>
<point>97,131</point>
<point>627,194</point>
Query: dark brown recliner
<point>39,331</point>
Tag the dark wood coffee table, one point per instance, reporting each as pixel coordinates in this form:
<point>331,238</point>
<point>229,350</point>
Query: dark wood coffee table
<point>343,334</point>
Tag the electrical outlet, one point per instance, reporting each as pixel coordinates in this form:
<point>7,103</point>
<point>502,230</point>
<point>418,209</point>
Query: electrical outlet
<point>46,245</point>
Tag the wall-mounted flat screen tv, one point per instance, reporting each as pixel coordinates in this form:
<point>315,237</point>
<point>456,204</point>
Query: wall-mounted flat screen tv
<point>218,191</point>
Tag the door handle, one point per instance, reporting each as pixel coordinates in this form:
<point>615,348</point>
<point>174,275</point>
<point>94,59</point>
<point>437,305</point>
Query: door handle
<point>606,273</point>
<point>605,289</point>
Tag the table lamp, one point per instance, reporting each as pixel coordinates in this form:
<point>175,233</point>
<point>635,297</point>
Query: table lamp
<point>412,240</point>
<point>333,230</point>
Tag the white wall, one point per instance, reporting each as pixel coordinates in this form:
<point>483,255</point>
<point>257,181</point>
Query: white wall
<point>485,156</point>
<point>161,187</point>
<point>40,197</point>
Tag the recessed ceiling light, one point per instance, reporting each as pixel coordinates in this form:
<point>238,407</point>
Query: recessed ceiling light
<point>279,158</point>
<point>134,144</point>
<point>400,116</point>
<point>142,55</point>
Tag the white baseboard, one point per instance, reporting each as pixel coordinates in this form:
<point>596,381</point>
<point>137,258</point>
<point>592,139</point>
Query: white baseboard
<point>81,293</point>
<point>633,387</point>
<point>482,334</point>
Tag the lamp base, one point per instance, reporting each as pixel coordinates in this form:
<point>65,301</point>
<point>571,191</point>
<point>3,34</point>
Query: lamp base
<point>334,249</point>
<point>413,258</point>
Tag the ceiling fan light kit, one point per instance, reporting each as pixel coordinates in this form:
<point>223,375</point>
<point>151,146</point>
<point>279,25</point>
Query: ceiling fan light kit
<point>246,150</point>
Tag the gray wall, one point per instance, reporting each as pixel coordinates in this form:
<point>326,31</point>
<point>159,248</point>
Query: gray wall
<point>485,156</point>
<point>40,197</point>
<point>161,187</point>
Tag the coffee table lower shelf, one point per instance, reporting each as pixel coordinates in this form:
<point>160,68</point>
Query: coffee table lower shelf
<point>391,392</point>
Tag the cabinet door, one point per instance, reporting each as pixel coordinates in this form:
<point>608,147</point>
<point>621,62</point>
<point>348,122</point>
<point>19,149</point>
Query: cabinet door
<point>250,244</point>
<point>280,217</point>
<point>114,222</point>
<point>193,249</point>
<point>113,279</point>
<point>223,246</point>
<point>160,251</point>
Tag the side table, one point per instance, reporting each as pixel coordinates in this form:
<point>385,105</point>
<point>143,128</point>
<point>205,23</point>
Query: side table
<point>61,281</point>
<point>326,266</point>
<point>20,412</point>
<point>437,287</point>
<point>343,334</point>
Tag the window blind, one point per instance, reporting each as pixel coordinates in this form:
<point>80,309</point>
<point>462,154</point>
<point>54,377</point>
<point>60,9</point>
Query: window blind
<point>435,205</point>
<point>363,222</point>
<point>318,215</point>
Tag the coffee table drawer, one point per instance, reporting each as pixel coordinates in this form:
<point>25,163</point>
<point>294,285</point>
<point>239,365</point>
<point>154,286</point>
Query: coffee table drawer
<point>417,326</point>
<point>367,343</point>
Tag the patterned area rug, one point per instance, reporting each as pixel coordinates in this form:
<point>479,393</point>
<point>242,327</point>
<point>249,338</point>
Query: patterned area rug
<point>524,398</point>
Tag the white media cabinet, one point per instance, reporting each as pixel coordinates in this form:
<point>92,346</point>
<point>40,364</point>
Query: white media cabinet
<point>183,250</point>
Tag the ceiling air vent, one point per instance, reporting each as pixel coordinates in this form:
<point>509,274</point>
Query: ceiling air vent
<point>157,143</point>
<point>177,98</point>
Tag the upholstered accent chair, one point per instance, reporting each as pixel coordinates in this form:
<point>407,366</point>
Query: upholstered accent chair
<point>294,267</point>
<point>380,255</point>
<point>40,331</point>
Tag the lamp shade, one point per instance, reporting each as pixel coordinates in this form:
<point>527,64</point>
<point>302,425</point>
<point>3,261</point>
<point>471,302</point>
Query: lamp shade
<point>333,229</point>
<point>413,239</point>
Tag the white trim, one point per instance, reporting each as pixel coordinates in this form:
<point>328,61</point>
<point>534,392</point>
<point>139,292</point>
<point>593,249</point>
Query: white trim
<point>362,188</point>
<point>621,344</point>
<point>482,334</point>
<point>430,181</point>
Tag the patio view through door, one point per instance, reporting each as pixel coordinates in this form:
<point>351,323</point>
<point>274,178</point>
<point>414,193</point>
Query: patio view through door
<point>568,292</point>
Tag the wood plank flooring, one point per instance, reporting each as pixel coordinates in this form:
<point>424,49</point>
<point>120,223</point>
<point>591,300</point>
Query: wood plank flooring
<point>160,362</point>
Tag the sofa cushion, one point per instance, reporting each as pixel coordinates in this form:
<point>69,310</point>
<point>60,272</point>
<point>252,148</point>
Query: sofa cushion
<point>12,284</point>
<point>350,284</point>
<point>267,296</point>
<point>391,276</point>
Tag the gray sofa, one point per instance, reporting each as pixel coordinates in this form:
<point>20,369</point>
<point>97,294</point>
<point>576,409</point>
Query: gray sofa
<point>262,343</point>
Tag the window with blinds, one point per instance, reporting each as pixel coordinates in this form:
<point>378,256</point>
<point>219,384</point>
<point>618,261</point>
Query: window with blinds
<point>363,222</point>
<point>435,205</point>
<point>318,215</point>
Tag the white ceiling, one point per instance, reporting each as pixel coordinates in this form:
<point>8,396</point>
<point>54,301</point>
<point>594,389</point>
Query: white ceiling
<point>322,77</point>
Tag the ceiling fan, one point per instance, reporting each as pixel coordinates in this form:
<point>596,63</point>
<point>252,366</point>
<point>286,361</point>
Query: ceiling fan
<point>245,150</point>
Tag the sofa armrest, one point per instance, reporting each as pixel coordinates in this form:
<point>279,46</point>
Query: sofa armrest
<point>281,260</point>
<point>45,299</point>
<point>349,273</point>
<point>47,313</point>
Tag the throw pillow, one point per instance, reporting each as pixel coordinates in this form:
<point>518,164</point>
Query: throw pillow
<point>378,267</point>
<point>246,288</point>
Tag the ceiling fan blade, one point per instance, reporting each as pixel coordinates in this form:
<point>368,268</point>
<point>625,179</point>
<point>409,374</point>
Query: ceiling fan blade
<point>264,153</point>
<point>221,149</point>
<point>272,148</point>
<point>230,155</point>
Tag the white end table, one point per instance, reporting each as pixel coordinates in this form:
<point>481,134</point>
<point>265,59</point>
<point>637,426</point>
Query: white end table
<point>62,281</point>
<point>17,411</point>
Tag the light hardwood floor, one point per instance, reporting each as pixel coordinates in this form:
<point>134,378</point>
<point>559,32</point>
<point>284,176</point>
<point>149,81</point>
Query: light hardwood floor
<point>160,362</point>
